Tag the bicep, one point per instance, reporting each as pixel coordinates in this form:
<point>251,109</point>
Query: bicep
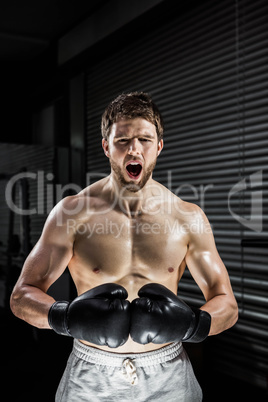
<point>209,273</point>
<point>44,265</point>
<point>205,264</point>
<point>49,258</point>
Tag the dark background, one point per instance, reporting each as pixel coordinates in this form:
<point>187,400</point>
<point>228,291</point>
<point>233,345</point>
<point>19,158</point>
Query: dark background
<point>52,57</point>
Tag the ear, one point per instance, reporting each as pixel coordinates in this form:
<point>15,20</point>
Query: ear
<point>160,147</point>
<point>105,147</point>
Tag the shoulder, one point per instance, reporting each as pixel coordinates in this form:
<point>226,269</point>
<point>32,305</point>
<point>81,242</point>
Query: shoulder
<point>74,210</point>
<point>64,218</point>
<point>196,225</point>
<point>189,211</point>
<point>180,208</point>
<point>191,217</point>
<point>86,201</point>
<point>70,206</point>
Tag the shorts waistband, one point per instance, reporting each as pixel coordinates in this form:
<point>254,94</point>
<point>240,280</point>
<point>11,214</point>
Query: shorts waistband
<point>145,359</point>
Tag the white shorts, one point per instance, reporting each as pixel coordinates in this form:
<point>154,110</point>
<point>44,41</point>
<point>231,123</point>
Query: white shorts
<point>93,375</point>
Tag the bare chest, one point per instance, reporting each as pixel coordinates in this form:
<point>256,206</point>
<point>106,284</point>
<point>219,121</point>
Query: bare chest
<point>116,243</point>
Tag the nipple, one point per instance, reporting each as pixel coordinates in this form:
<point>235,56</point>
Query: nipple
<point>170,269</point>
<point>96,270</point>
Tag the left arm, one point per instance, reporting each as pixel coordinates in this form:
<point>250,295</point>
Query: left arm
<point>211,276</point>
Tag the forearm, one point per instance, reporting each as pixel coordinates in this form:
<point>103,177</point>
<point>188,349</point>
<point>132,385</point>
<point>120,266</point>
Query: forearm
<point>32,305</point>
<point>223,311</point>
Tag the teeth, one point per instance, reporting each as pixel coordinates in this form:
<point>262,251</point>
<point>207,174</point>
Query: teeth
<point>133,163</point>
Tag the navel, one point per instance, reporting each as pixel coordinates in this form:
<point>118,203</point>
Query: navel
<point>170,269</point>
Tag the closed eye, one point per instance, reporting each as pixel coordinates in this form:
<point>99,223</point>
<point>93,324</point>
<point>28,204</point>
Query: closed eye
<point>145,139</point>
<point>125,140</point>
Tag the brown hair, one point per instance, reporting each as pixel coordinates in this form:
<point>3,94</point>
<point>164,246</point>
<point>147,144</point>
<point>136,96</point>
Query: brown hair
<point>130,106</point>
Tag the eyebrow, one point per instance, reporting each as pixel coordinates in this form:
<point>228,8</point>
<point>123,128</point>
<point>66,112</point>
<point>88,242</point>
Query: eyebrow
<point>145,135</point>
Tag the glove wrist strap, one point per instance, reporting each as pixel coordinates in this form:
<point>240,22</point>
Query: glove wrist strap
<point>57,317</point>
<point>202,327</point>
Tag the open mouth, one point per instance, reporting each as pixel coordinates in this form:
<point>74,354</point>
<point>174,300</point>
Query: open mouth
<point>134,169</point>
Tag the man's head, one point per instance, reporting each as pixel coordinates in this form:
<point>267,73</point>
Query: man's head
<point>132,132</point>
<point>129,106</point>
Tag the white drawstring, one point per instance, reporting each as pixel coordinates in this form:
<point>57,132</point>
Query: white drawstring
<point>130,372</point>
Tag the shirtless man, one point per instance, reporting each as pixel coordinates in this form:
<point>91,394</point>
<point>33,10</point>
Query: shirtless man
<point>126,241</point>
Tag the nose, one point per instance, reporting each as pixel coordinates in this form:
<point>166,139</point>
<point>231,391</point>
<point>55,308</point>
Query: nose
<point>134,147</point>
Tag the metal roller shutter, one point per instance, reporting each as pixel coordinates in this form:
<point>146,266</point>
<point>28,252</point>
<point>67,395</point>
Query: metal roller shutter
<point>33,159</point>
<point>38,193</point>
<point>207,71</point>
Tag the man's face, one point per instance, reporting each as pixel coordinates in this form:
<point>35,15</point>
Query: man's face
<point>132,148</point>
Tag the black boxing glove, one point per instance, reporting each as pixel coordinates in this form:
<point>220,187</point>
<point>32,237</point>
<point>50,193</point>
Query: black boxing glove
<point>159,316</point>
<point>100,316</point>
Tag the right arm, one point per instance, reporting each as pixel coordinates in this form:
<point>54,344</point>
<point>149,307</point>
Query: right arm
<point>101,315</point>
<point>44,265</point>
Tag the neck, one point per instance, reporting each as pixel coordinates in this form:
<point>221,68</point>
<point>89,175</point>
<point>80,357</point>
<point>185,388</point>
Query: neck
<point>130,202</point>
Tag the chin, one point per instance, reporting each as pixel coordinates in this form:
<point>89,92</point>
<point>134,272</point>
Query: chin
<point>129,184</point>
<point>133,187</point>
